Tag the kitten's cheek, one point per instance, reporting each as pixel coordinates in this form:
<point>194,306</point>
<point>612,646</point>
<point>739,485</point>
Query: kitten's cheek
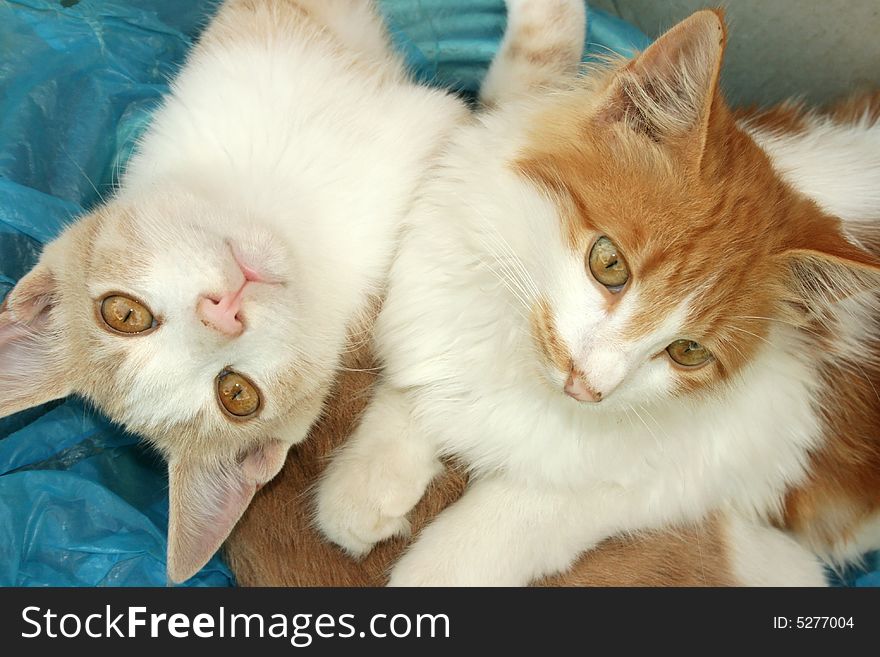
<point>553,377</point>
<point>557,376</point>
<point>661,381</point>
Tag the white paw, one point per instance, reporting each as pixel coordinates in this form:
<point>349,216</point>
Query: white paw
<point>429,564</point>
<point>450,552</point>
<point>415,572</point>
<point>365,499</point>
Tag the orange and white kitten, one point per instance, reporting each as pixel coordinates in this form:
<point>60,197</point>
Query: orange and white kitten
<point>207,304</point>
<point>619,315</point>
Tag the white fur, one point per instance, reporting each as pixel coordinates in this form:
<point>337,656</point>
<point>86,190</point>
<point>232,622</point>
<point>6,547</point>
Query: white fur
<point>837,165</point>
<point>534,26</point>
<point>386,462</point>
<point>760,555</point>
<point>292,141</point>
<point>304,152</point>
<point>552,477</point>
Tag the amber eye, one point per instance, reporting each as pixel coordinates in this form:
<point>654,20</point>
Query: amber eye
<point>607,265</point>
<point>237,394</point>
<point>688,353</point>
<point>126,315</point>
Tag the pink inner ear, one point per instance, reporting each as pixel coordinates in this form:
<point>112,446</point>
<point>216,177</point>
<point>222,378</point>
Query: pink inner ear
<point>20,326</point>
<point>207,499</point>
<point>9,329</point>
<point>31,296</point>
<point>205,504</point>
<point>263,463</point>
<point>31,367</point>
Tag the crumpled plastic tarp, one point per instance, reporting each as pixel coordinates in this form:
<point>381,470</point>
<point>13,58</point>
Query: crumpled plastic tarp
<point>83,503</point>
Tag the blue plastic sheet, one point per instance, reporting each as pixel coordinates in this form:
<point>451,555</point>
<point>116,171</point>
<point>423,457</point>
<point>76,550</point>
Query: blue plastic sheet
<point>82,503</point>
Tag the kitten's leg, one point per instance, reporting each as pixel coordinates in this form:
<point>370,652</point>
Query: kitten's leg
<point>377,477</point>
<point>501,533</point>
<point>543,44</point>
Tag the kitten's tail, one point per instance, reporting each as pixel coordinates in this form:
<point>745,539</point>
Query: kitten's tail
<point>543,44</point>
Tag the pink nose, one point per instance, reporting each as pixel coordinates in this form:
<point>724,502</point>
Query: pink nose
<point>222,314</point>
<point>577,388</point>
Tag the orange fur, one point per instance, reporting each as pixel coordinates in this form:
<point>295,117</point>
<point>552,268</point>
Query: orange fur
<point>858,107</point>
<point>786,117</point>
<point>843,490</point>
<point>544,332</point>
<point>677,229</point>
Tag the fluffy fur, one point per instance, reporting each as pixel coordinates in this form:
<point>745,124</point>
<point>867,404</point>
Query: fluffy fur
<point>274,178</point>
<point>492,311</point>
<point>277,544</point>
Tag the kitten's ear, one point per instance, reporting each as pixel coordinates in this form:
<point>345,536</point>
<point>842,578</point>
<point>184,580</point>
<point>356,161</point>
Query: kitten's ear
<point>831,272</point>
<point>31,367</point>
<point>206,500</point>
<point>666,92</point>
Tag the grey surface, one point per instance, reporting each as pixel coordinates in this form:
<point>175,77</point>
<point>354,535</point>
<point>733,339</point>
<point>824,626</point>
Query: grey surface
<point>780,49</point>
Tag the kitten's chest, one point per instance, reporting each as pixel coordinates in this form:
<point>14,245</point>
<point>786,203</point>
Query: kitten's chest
<point>748,447</point>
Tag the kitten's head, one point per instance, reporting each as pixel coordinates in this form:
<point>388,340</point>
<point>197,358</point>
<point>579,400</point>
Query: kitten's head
<point>681,247</point>
<point>191,328</point>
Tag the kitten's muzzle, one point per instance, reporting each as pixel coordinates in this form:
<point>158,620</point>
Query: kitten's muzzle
<point>577,388</point>
<point>223,312</point>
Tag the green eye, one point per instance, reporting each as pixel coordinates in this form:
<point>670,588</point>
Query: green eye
<point>688,353</point>
<point>607,265</point>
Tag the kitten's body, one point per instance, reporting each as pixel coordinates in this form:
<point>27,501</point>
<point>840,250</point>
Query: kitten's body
<point>834,158</point>
<point>478,337</point>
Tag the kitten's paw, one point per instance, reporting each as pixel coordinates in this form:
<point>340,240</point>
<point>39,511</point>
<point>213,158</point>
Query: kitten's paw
<point>419,572</point>
<point>364,500</point>
<point>427,566</point>
<point>447,553</point>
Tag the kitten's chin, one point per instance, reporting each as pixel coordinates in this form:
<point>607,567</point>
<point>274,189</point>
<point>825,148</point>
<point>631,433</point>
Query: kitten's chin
<point>587,405</point>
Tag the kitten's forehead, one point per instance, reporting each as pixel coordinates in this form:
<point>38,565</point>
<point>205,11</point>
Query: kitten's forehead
<point>114,237</point>
<point>675,228</point>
